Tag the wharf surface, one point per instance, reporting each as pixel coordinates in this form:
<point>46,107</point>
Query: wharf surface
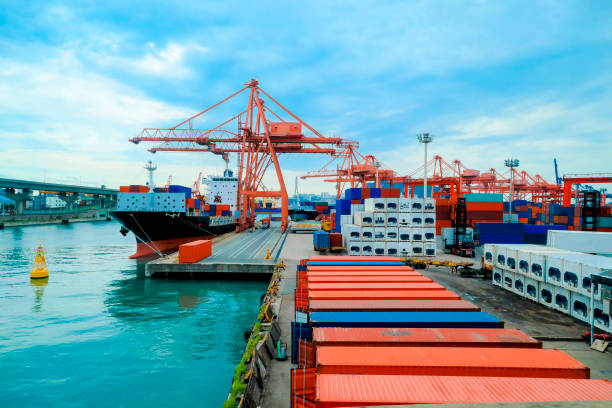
<point>553,328</point>
<point>233,254</point>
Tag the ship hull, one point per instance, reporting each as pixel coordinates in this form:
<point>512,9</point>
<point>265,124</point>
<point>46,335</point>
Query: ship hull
<point>158,232</point>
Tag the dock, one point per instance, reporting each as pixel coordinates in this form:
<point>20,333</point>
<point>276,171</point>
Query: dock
<point>242,254</point>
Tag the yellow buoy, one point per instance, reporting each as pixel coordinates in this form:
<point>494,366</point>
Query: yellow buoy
<point>39,269</point>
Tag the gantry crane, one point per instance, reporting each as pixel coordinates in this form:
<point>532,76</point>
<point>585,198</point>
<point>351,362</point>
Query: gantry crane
<point>258,137</point>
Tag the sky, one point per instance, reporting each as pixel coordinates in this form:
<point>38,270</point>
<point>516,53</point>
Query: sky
<point>490,79</point>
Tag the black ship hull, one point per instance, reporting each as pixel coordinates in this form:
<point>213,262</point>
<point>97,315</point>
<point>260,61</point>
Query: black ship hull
<point>158,232</point>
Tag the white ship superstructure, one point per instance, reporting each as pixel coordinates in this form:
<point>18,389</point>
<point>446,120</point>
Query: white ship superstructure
<point>222,189</point>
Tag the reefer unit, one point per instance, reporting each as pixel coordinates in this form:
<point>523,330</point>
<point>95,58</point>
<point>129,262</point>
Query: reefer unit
<point>416,219</point>
<point>380,233</point>
<point>532,289</point>
<point>380,219</point>
<point>375,204</point>
<point>354,248</point>
<point>562,300</point>
<point>367,248</point>
<point>403,219</point>
<point>404,205</point>
<point>391,248</point>
<point>392,234</point>
<point>497,277</point>
<point>352,232</point>
<point>367,234</point>
<point>378,248</point>
<point>404,249</point>
<point>429,248</point>
<point>580,306</point>
<point>404,234</point>
<point>547,294</point>
<point>392,204</point>
<point>392,219</point>
<point>416,234</point>
<point>430,234</point>
<point>417,248</point>
<point>363,218</point>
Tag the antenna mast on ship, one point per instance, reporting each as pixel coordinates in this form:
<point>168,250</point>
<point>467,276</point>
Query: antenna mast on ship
<point>150,167</point>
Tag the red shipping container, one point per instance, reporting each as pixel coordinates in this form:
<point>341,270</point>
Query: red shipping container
<point>381,294</point>
<point>345,258</point>
<point>335,239</point>
<point>484,206</point>
<point>380,286</point>
<point>393,306</point>
<point>330,390</point>
<point>365,279</point>
<point>464,361</point>
<point>366,193</point>
<point>361,273</point>
<point>195,251</point>
<point>124,189</point>
<point>356,201</point>
<point>359,268</point>
<point>422,337</point>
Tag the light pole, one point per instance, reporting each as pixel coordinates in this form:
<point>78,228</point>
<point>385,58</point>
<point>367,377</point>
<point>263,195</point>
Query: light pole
<point>377,165</point>
<point>424,138</point>
<point>511,163</point>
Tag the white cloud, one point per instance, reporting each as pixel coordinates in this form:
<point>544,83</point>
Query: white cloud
<point>170,61</point>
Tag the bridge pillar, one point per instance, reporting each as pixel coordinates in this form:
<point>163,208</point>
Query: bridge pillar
<point>19,198</point>
<point>69,199</point>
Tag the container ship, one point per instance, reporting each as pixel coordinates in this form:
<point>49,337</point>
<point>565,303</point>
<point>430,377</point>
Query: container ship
<point>164,218</point>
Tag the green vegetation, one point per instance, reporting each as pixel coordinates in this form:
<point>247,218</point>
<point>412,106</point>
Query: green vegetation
<point>238,386</point>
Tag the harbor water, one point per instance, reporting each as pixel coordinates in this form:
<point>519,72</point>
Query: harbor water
<point>98,333</point>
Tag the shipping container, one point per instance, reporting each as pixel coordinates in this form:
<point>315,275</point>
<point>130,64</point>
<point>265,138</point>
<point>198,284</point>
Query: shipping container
<point>467,361</point>
<point>422,337</point>
<point>382,294</point>
<point>404,319</point>
<point>352,305</point>
<point>581,241</point>
<point>362,273</point>
<point>375,286</point>
<point>331,390</point>
<point>365,268</point>
<point>368,279</point>
<point>194,251</point>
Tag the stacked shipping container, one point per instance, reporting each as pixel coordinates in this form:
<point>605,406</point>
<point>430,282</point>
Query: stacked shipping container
<point>391,226</point>
<point>365,349</point>
<point>556,278</point>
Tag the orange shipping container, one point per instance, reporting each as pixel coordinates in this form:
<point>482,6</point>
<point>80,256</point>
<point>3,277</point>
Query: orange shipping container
<point>124,189</point>
<point>330,390</point>
<point>464,361</point>
<point>414,305</point>
<point>382,294</point>
<point>372,279</point>
<point>380,286</point>
<point>484,206</point>
<point>195,251</point>
<point>316,274</point>
<point>355,259</point>
<point>373,268</point>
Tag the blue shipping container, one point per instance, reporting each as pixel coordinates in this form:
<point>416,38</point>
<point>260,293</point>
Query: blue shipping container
<point>404,319</point>
<point>320,239</point>
<point>299,331</point>
<point>500,228</point>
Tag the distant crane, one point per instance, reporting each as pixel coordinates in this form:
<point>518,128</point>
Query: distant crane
<point>195,189</point>
<point>558,179</point>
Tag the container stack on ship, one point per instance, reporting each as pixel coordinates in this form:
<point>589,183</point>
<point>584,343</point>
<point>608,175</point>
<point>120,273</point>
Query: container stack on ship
<point>167,217</point>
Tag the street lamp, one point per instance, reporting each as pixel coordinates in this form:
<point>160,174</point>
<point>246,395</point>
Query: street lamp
<point>424,138</point>
<point>377,165</point>
<point>511,163</point>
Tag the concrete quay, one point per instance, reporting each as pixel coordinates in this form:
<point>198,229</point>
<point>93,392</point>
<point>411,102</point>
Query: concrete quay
<point>233,256</point>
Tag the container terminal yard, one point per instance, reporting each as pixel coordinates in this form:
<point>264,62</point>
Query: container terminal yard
<point>395,205</point>
<point>450,287</point>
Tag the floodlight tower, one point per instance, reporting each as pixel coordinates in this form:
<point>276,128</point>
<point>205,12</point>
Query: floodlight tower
<point>511,163</point>
<point>377,164</point>
<point>150,167</point>
<point>424,138</point>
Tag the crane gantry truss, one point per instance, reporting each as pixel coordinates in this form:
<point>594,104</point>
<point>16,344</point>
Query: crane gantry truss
<point>258,135</point>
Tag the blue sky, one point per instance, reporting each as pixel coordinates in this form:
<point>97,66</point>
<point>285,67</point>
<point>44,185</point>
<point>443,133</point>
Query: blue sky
<point>490,79</point>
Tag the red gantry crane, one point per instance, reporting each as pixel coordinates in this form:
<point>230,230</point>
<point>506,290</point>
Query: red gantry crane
<point>258,136</point>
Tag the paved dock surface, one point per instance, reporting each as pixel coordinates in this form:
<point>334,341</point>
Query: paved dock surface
<point>234,253</point>
<point>532,318</point>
